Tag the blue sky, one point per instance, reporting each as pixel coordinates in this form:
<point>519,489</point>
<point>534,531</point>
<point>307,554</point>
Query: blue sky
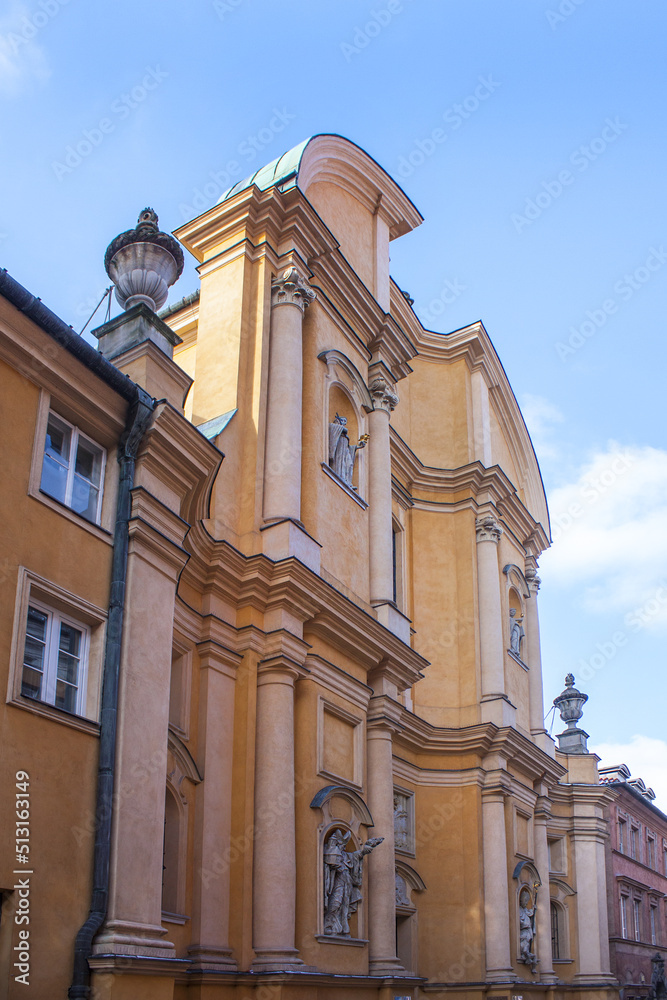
<point>530,134</point>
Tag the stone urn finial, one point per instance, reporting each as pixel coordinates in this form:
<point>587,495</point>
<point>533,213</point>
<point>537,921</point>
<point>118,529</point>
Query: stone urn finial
<point>143,263</point>
<point>570,703</point>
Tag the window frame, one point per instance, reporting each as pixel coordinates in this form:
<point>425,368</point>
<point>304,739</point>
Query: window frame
<point>622,839</point>
<point>624,916</point>
<point>48,691</point>
<point>76,435</point>
<point>637,918</point>
<point>33,590</point>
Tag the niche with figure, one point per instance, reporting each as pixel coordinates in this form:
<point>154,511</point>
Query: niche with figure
<point>346,402</point>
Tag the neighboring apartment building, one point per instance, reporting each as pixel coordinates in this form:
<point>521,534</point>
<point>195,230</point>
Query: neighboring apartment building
<point>637,880</point>
<point>330,771</point>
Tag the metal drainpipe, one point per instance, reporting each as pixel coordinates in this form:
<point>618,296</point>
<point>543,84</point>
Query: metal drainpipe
<point>139,417</point>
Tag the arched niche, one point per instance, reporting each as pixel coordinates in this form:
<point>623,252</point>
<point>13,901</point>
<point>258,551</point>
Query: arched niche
<point>528,883</point>
<point>346,394</point>
<point>408,883</point>
<point>342,809</point>
<point>516,595</point>
<point>182,774</point>
<point>559,891</point>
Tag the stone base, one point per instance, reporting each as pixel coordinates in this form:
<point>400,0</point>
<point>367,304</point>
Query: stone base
<point>137,940</point>
<point>279,961</point>
<point>394,620</point>
<point>498,709</point>
<point>283,539</point>
<point>387,967</point>
<point>212,958</point>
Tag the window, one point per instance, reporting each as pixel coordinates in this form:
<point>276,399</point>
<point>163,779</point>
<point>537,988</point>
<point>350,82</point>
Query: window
<point>54,659</point>
<point>621,836</point>
<point>555,932</point>
<point>654,924</point>
<point>633,843</point>
<point>664,857</point>
<point>624,916</point>
<point>72,468</point>
<point>651,852</point>
<point>636,909</point>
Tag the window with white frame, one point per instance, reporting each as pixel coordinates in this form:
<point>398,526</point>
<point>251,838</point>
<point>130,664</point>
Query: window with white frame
<point>651,852</point>
<point>637,918</point>
<point>624,916</point>
<point>634,842</point>
<point>621,836</point>
<point>55,659</point>
<point>73,468</point>
<point>654,924</point>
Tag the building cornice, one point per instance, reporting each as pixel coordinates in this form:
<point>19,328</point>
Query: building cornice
<point>256,582</point>
<point>471,486</point>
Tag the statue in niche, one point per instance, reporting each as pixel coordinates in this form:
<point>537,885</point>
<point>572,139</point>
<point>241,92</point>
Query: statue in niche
<point>402,898</point>
<point>401,832</point>
<point>527,907</point>
<point>658,989</point>
<point>516,632</point>
<point>341,452</point>
<point>343,875</point>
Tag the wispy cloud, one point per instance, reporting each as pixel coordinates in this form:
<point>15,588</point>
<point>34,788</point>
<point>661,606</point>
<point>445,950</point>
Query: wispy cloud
<point>645,756</point>
<point>542,418</point>
<point>22,57</point>
<point>608,528</point>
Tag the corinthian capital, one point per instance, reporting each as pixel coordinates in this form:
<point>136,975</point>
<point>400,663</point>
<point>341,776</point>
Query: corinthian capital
<point>291,289</point>
<point>488,529</point>
<point>532,579</point>
<point>383,394</point>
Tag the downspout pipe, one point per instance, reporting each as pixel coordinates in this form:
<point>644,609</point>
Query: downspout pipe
<point>139,417</point>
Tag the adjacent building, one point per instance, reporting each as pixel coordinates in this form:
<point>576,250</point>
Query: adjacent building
<point>636,881</point>
<point>270,631</point>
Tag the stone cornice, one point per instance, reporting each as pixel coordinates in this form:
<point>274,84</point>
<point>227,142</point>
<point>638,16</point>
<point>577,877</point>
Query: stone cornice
<point>178,456</point>
<point>279,224</point>
<point>470,486</point>
<point>485,740</point>
<point>256,582</point>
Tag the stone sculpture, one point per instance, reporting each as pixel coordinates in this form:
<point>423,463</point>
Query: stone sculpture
<point>401,831</point>
<point>527,906</point>
<point>658,990</point>
<point>343,875</point>
<point>341,452</point>
<point>516,632</point>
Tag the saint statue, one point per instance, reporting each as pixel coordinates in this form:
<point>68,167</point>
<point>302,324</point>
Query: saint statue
<point>401,832</point>
<point>341,452</point>
<point>527,907</point>
<point>516,632</point>
<point>343,874</point>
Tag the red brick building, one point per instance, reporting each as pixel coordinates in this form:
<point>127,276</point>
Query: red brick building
<point>636,880</point>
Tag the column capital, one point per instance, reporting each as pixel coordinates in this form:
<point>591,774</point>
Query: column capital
<point>488,528</point>
<point>383,393</point>
<point>532,579</point>
<point>291,289</point>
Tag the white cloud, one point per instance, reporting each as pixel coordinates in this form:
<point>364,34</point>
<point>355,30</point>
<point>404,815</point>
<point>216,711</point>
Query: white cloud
<point>647,759</point>
<point>609,537</point>
<point>21,58</point>
<point>541,418</point>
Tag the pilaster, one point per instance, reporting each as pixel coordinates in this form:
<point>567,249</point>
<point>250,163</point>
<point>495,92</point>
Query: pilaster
<point>496,706</point>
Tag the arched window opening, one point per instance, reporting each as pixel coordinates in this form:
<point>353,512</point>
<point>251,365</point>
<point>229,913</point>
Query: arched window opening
<point>171,854</point>
<point>555,931</point>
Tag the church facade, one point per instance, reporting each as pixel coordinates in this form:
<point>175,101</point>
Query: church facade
<point>329,773</point>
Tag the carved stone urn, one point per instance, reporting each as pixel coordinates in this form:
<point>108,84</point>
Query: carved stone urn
<point>570,703</point>
<point>143,263</point>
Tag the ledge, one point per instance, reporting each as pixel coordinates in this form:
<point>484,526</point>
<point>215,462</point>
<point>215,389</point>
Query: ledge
<point>336,939</point>
<point>517,659</point>
<point>344,487</point>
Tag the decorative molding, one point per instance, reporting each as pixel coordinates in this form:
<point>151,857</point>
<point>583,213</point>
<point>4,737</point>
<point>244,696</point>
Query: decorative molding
<point>351,492</point>
<point>291,289</point>
<point>488,529</point>
<point>383,393</point>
